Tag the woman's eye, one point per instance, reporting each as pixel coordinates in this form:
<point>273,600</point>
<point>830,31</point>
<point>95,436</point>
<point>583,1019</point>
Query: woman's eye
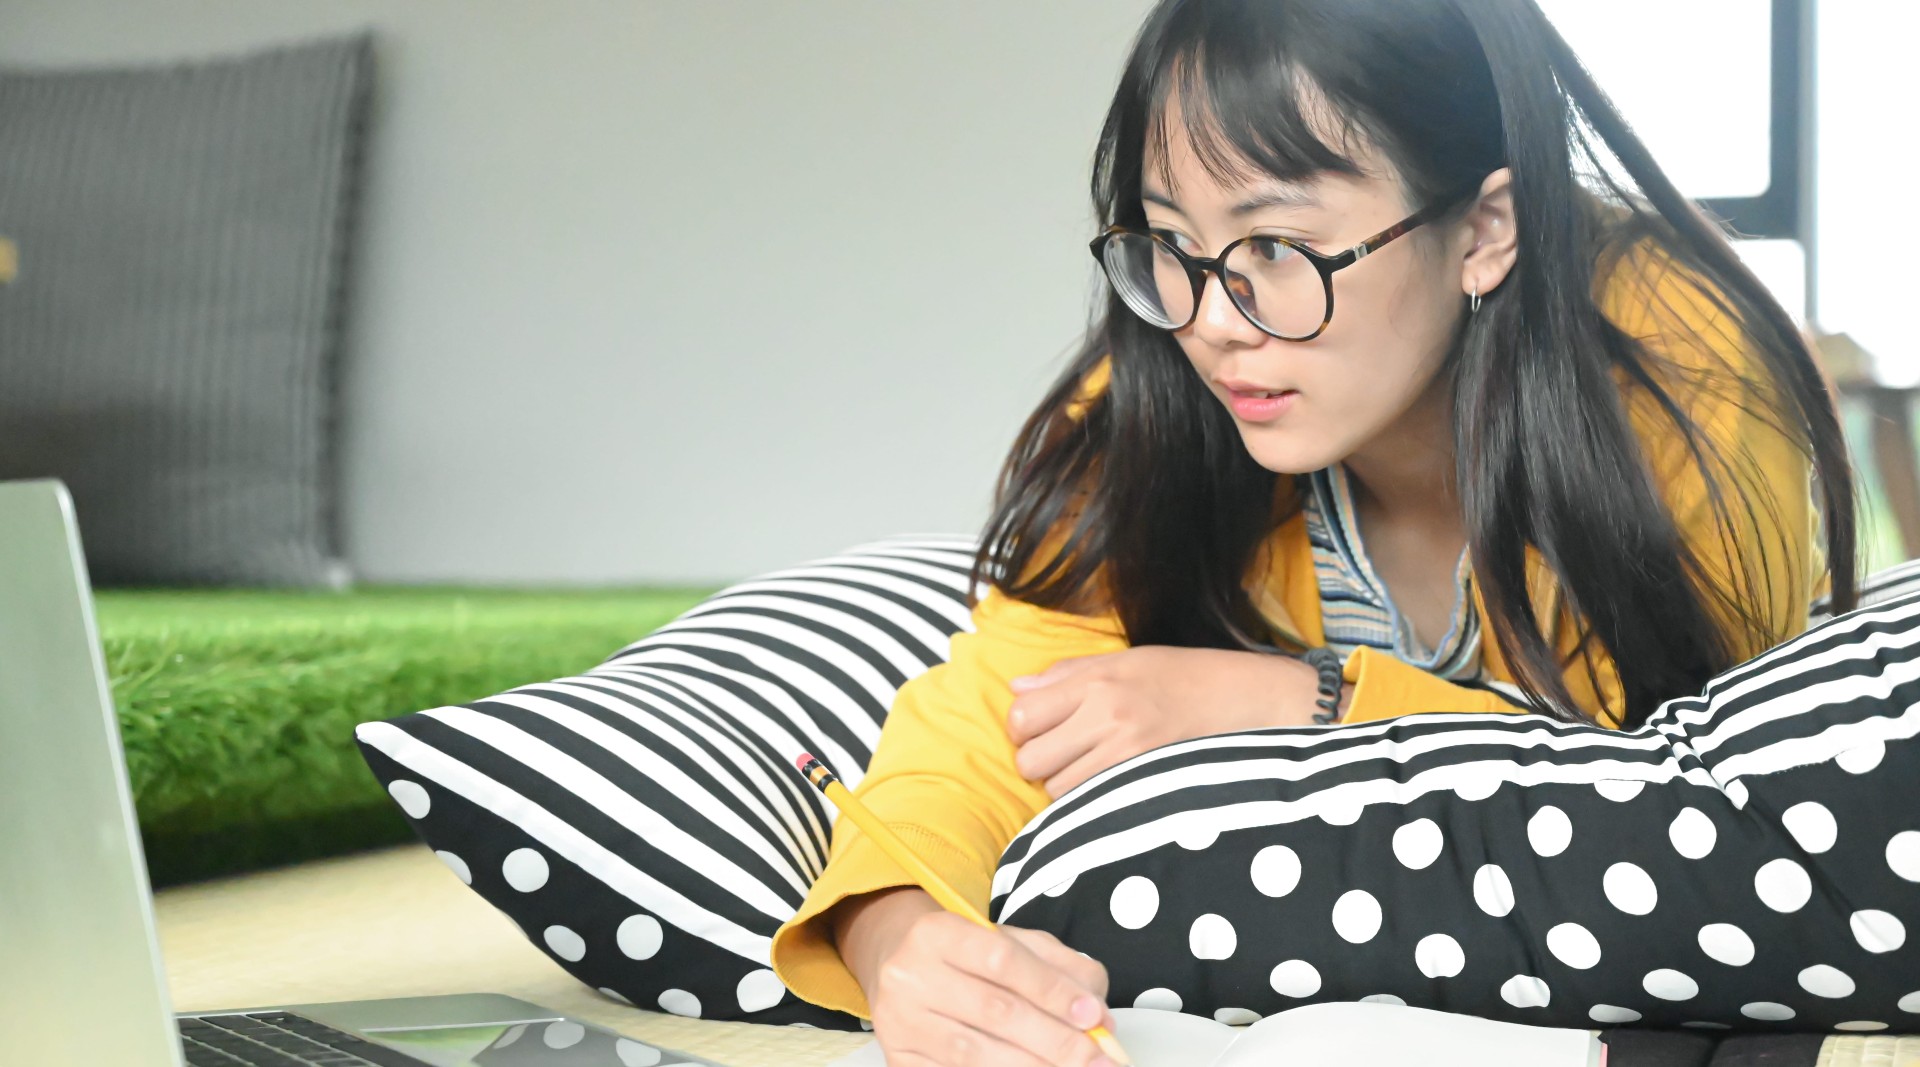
<point>1177,241</point>
<point>1271,250</point>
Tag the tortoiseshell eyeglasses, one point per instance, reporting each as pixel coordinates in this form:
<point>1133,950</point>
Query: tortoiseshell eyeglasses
<point>1280,285</point>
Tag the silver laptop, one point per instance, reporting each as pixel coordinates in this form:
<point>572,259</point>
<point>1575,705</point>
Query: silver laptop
<point>81,980</point>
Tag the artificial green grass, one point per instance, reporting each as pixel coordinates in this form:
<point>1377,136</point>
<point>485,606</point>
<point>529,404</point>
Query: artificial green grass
<point>237,707</point>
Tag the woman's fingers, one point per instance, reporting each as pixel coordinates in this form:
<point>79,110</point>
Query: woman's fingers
<point>960,995</point>
<point>1079,966</point>
<point>993,1025</point>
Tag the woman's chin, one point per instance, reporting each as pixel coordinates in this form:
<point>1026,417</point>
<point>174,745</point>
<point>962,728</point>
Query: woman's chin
<point>1290,452</point>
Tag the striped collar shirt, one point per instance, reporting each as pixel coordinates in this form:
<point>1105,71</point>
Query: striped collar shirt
<point>1356,608</point>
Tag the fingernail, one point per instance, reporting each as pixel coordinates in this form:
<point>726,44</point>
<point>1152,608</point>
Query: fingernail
<point>1084,1012</point>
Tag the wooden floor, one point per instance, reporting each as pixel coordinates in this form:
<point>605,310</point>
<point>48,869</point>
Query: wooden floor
<point>397,923</point>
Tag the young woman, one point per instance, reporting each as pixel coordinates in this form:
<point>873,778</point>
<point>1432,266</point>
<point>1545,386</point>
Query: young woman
<point>1420,390</point>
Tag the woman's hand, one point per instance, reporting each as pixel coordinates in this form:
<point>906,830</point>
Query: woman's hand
<point>1086,714</point>
<point>948,993</point>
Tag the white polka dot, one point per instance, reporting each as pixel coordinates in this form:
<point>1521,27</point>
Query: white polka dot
<point>1726,943</point>
<point>1439,956</point>
<point>1630,889</point>
<point>1276,870</point>
<point>1692,833</point>
<point>1525,991</point>
<point>525,869</point>
<point>1706,1026</point>
<point>680,1002</point>
<point>457,865</point>
<point>1909,1003</point>
<point>411,796</point>
<point>1824,981</point>
<point>1236,1016</point>
<point>1612,1014</point>
<point>1736,791</point>
<point>1383,998</point>
<point>1767,1011</point>
<point>1783,885</point>
<point>1417,844</point>
<point>1550,831</point>
<point>1860,1025</point>
<point>1356,916</point>
<point>1903,854</point>
<point>1135,901</point>
<point>1295,978</point>
<point>1477,788</point>
<point>563,1034</point>
<point>1862,758</point>
<point>1159,997</point>
<point>1196,836</point>
<point>1058,889</point>
<point>1341,811</point>
<point>760,990</point>
<point>516,1033</point>
<point>1492,891</point>
<point>565,943</point>
<point>638,937</point>
<point>611,995</point>
<point>633,1054</point>
<point>1811,825</point>
<point>1669,984</point>
<point>1573,945</point>
<point>1211,938</point>
<point>1618,789</point>
<point>1878,931</point>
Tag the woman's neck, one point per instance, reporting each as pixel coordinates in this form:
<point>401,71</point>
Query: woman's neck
<point>1406,475</point>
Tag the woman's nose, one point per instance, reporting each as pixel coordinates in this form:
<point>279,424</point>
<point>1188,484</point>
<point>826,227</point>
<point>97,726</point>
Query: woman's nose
<point>1219,321</point>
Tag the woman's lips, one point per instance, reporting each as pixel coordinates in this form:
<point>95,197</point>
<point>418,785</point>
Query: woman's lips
<point>1258,407</point>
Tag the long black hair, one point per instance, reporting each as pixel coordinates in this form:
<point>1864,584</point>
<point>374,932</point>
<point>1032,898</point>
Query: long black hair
<point>1145,501</point>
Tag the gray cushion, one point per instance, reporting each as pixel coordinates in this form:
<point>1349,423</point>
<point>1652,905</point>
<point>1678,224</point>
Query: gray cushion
<point>169,347</point>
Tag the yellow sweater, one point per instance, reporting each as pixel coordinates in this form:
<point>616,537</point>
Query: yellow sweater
<point>943,773</point>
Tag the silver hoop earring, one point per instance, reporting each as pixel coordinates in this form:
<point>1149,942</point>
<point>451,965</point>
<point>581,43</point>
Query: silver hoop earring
<point>1473,308</point>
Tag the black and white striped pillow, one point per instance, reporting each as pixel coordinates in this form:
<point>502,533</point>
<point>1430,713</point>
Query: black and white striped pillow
<point>642,822</point>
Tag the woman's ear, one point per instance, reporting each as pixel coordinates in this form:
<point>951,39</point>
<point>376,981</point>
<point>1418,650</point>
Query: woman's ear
<point>1495,239</point>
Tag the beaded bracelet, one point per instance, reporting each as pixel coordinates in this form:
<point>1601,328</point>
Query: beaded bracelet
<point>1327,662</point>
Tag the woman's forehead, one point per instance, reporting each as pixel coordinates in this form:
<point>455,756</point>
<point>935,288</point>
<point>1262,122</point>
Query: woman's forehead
<point>1197,159</point>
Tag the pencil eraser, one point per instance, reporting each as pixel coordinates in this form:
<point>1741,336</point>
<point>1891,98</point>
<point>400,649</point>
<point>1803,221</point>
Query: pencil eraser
<point>805,758</point>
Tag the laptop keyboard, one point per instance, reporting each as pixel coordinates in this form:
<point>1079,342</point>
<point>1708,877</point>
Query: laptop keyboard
<point>279,1039</point>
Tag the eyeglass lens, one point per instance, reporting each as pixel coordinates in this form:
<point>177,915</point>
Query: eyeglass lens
<point>1272,283</point>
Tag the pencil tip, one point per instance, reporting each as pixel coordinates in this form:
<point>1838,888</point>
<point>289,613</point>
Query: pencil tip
<point>1110,1046</point>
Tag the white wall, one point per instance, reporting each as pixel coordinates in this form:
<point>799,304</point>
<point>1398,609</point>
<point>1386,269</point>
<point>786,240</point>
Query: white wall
<point>679,290</point>
<point>685,289</point>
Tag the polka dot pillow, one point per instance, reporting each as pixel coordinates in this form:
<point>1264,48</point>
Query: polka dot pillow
<point>642,821</point>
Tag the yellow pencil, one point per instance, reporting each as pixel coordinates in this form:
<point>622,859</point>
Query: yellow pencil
<point>947,896</point>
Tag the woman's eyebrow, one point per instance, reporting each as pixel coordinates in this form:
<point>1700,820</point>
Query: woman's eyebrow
<point>1278,197</point>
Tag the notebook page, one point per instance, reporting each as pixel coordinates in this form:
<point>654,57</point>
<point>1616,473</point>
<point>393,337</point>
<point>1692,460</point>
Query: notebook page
<point>1333,1032</point>
<point>1338,1032</point>
<point>1151,1037</point>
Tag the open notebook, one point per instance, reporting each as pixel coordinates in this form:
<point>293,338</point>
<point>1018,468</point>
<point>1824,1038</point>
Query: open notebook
<point>1334,1032</point>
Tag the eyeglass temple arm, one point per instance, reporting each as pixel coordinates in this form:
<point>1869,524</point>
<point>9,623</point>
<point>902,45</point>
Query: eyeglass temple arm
<point>1400,229</point>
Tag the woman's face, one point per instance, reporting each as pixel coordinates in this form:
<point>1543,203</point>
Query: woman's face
<point>1395,313</point>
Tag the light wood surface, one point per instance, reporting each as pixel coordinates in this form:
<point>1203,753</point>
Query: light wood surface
<point>396,923</point>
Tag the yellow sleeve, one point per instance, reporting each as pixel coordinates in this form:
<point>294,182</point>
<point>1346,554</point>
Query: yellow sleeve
<point>1384,686</point>
<point>943,777</point>
<point>1763,549</point>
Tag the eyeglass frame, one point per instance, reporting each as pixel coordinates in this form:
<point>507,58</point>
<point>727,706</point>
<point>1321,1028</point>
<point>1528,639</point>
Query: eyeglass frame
<point>1197,267</point>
